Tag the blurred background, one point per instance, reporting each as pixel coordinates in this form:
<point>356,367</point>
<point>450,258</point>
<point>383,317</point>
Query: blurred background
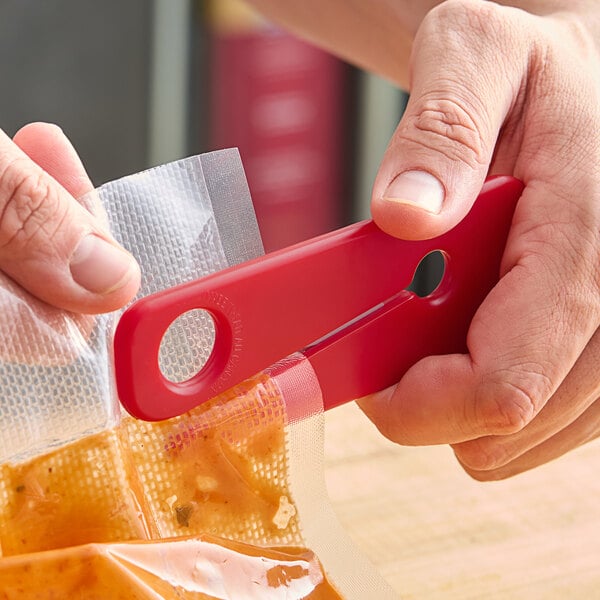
<point>139,83</point>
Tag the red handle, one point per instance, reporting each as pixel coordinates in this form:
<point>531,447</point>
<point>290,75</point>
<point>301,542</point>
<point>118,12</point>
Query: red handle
<point>375,352</point>
<point>273,306</point>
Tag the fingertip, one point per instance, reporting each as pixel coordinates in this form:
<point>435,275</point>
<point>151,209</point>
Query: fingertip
<point>36,128</point>
<point>108,274</point>
<point>36,139</point>
<point>405,220</point>
<point>100,277</point>
<point>377,408</point>
<point>482,454</point>
<point>48,146</point>
<point>416,205</point>
<point>122,295</point>
<point>84,302</point>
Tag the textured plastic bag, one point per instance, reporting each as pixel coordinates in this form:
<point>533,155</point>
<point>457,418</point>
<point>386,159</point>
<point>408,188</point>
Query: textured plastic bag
<point>226,501</point>
<point>55,379</point>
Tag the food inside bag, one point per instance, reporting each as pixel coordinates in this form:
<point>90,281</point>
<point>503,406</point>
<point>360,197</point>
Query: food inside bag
<point>213,483</point>
<point>196,568</point>
<point>226,501</point>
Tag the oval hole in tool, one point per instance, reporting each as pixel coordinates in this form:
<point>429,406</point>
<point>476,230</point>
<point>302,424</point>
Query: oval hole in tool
<point>186,345</point>
<point>429,274</point>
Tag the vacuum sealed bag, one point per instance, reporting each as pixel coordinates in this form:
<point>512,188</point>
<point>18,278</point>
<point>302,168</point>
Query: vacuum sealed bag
<point>225,501</point>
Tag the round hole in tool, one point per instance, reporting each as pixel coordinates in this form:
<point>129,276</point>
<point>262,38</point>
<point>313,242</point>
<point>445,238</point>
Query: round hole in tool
<point>429,274</point>
<point>186,345</point>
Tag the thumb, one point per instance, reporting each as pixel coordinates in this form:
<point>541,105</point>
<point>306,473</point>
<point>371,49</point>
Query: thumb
<point>440,153</point>
<point>50,244</point>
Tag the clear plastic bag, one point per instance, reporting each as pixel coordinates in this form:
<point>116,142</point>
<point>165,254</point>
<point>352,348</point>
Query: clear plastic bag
<point>226,501</point>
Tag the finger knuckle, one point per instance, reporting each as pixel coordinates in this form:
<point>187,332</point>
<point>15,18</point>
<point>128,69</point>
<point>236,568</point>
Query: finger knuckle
<point>29,206</point>
<point>453,119</point>
<point>507,405</point>
<point>449,127</point>
<point>464,17</point>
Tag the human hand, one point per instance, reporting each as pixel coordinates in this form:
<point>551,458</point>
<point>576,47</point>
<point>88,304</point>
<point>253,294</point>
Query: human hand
<point>498,90</point>
<point>54,254</point>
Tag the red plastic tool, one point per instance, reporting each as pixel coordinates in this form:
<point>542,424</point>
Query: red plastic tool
<point>273,306</point>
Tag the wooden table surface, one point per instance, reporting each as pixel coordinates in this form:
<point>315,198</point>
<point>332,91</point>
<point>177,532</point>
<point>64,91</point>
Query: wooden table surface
<point>435,533</point>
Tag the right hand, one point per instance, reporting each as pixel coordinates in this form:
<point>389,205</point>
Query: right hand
<point>52,250</point>
<point>498,90</point>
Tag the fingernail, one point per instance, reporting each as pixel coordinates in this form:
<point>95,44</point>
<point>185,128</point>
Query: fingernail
<point>101,267</point>
<point>417,188</point>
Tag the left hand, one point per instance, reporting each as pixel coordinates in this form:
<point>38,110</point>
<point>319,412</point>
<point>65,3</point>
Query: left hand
<point>46,315</point>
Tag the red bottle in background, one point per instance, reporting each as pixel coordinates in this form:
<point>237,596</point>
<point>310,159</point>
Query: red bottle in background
<point>282,102</point>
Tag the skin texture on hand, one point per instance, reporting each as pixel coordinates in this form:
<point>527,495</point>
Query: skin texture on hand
<point>42,227</point>
<point>498,89</point>
<point>49,243</point>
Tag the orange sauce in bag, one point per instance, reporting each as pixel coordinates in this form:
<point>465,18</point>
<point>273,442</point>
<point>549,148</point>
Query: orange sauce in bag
<point>220,469</point>
<point>215,477</point>
<point>80,493</point>
<point>190,568</point>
